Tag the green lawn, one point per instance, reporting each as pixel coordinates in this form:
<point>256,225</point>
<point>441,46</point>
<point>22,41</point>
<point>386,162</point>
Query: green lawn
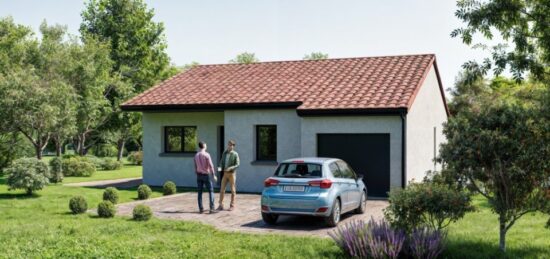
<point>41,226</point>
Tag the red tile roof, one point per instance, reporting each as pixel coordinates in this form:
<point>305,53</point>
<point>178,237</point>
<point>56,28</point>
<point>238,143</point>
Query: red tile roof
<point>369,83</point>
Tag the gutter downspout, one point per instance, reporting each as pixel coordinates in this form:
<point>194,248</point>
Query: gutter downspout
<point>403,116</point>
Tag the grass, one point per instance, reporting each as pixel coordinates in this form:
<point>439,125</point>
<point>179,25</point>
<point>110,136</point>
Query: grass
<point>41,226</point>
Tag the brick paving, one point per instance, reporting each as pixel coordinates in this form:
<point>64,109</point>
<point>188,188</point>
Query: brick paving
<point>246,217</point>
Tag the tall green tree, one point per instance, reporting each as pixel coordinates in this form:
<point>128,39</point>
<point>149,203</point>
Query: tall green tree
<point>523,24</point>
<point>137,49</point>
<point>315,56</point>
<point>245,58</point>
<point>499,147</point>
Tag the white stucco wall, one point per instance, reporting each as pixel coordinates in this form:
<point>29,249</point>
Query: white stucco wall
<point>240,125</point>
<point>179,168</point>
<point>311,126</point>
<point>427,112</point>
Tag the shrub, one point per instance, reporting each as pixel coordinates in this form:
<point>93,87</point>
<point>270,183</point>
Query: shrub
<point>77,166</point>
<point>78,205</point>
<point>111,164</point>
<point>29,174</point>
<point>111,194</point>
<point>96,161</point>
<point>375,239</point>
<point>105,150</point>
<point>425,243</point>
<point>56,170</point>
<point>169,188</point>
<point>106,209</point>
<point>142,213</point>
<point>144,192</point>
<point>426,204</point>
<point>136,157</point>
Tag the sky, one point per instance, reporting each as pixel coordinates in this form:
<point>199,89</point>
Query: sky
<point>210,32</point>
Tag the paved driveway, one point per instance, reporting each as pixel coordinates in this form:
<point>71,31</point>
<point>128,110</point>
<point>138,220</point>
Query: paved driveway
<point>246,217</point>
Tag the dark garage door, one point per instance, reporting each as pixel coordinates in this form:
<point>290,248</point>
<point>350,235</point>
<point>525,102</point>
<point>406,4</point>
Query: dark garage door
<point>368,154</point>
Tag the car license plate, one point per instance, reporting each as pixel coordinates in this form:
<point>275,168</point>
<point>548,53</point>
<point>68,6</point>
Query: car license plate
<point>293,188</point>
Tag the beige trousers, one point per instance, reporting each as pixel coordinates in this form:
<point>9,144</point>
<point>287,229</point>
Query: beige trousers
<point>228,177</point>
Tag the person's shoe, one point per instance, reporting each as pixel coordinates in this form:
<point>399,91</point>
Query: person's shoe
<point>231,208</point>
<point>220,207</point>
<point>212,211</point>
<point>201,211</point>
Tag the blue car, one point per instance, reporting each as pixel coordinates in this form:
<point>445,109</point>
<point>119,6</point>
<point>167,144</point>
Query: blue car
<point>323,187</point>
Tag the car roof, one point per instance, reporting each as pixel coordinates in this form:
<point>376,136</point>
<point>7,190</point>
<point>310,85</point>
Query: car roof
<point>319,160</point>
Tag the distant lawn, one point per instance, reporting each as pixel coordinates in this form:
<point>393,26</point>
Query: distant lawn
<point>128,171</point>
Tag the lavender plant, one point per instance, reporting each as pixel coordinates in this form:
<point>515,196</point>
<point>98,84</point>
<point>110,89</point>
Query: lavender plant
<point>426,243</point>
<point>375,239</point>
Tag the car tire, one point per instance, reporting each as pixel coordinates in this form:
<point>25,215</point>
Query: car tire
<point>270,219</point>
<point>363,205</point>
<point>334,217</point>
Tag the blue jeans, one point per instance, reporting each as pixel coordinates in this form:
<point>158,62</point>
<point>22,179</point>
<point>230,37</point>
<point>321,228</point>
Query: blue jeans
<point>203,180</point>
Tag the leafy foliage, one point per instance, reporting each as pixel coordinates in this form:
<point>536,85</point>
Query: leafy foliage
<point>142,213</point>
<point>245,58</point>
<point>426,205</point>
<point>501,151</point>
<point>29,174</point>
<point>144,192</point>
<point>78,205</point>
<point>425,243</point>
<point>169,188</point>
<point>110,164</point>
<point>316,56</point>
<point>111,194</point>
<point>522,23</point>
<point>78,166</point>
<point>136,157</point>
<point>56,170</point>
<point>106,209</point>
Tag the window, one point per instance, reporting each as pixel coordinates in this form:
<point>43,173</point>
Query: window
<point>335,170</point>
<point>347,172</point>
<point>180,139</point>
<point>299,170</point>
<point>266,142</point>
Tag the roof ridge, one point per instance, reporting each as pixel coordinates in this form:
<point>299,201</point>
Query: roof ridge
<point>316,60</point>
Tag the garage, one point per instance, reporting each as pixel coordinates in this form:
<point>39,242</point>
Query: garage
<point>368,154</point>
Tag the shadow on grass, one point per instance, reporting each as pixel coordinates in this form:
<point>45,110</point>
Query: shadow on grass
<point>24,196</point>
<point>478,249</point>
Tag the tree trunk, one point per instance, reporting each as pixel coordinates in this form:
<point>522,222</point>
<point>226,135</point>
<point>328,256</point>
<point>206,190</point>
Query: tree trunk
<point>57,147</point>
<point>120,146</point>
<point>29,191</point>
<point>38,152</point>
<point>502,228</point>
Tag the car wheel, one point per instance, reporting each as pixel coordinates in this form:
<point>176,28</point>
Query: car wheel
<point>363,205</point>
<point>334,217</point>
<point>269,218</point>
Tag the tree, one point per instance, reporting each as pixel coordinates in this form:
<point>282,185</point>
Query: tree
<point>245,58</point>
<point>501,151</point>
<point>522,23</point>
<point>468,94</point>
<point>315,56</point>
<point>137,49</point>
<point>29,174</point>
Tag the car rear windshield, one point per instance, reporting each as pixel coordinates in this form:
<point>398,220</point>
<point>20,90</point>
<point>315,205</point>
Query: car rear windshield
<point>299,170</point>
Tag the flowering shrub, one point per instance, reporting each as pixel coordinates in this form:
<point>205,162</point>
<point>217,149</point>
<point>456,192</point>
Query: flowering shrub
<point>136,157</point>
<point>426,243</point>
<point>375,239</point>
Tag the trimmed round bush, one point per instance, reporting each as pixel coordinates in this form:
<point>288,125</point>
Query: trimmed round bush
<point>78,205</point>
<point>144,192</point>
<point>169,188</point>
<point>29,174</point>
<point>106,209</point>
<point>78,166</point>
<point>111,194</point>
<point>56,170</point>
<point>110,164</point>
<point>142,213</point>
<point>136,157</point>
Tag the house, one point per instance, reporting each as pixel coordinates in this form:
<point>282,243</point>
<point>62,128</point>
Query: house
<point>383,115</point>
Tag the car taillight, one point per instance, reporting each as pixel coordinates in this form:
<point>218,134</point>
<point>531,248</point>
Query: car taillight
<point>323,184</point>
<point>270,182</point>
<point>322,209</point>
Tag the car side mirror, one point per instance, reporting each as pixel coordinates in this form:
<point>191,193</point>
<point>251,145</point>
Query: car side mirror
<point>359,178</point>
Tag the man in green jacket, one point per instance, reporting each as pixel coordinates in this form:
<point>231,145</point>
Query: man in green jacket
<point>229,163</point>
